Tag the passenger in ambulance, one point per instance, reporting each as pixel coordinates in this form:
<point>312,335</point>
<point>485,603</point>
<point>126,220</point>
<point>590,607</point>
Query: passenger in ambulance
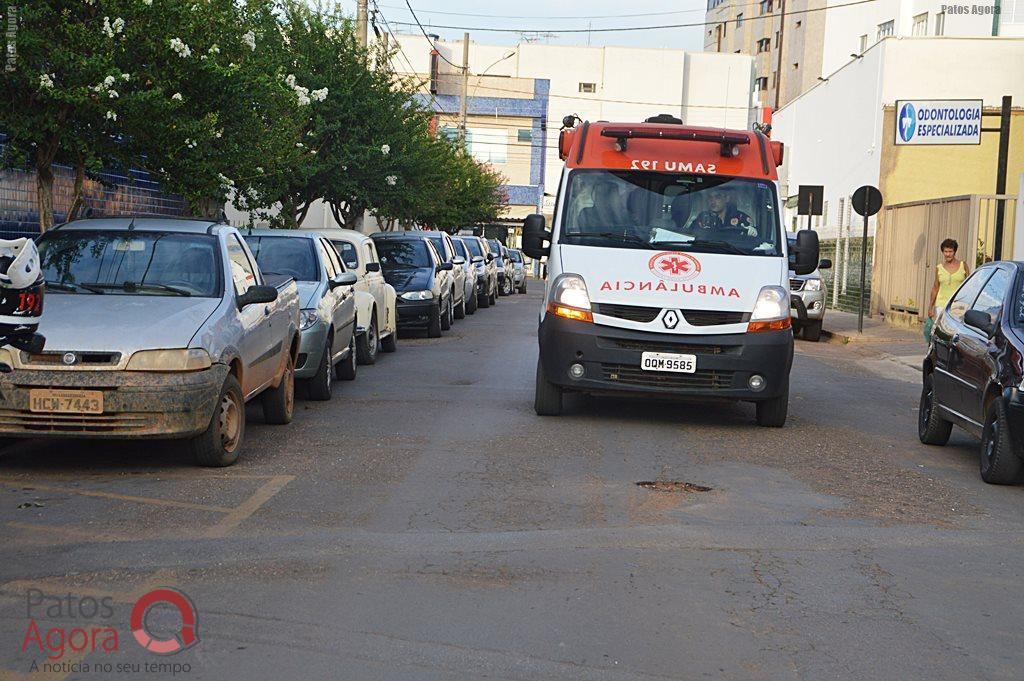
<point>722,215</point>
<point>609,211</point>
<point>638,224</point>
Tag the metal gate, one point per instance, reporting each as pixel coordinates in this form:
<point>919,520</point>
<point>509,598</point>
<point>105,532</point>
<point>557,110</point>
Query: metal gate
<point>907,248</point>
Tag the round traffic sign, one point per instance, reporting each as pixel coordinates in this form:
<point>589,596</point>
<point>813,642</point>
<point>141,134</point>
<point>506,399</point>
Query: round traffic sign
<point>867,200</point>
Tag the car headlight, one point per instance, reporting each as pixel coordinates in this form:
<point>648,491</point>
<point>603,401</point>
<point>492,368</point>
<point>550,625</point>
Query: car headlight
<point>417,295</point>
<point>190,359</point>
<point>569,298</point>
<point>307,318</point>
<point>812,285</point>
<point>771,310</point>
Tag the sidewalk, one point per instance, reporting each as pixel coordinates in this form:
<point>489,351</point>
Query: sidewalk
<point>842,327</point>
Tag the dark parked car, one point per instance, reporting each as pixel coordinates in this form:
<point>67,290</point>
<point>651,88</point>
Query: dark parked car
<point>973,372</point>
<point>421,278</point>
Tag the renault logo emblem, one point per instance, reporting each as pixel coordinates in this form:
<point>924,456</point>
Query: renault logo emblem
<point>69,358</point>
<point>670,319</point>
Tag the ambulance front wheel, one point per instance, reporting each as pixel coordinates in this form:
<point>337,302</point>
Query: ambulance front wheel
<point>547,399</point>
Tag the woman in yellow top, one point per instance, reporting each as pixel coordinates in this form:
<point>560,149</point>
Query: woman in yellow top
<point>948,276</point>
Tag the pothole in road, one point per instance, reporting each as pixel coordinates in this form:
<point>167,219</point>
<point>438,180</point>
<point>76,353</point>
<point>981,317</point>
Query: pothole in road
<point>677,486</point>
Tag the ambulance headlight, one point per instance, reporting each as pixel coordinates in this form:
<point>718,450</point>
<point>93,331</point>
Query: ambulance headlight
<point>771,310</point>
<point>571,290</point>
<point>569,298</point>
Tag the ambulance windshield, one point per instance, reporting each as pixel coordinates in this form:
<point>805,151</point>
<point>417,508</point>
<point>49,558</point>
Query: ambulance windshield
<point>704,213</point>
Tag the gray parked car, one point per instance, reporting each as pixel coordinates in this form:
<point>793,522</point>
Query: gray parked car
<point>328,318</point>
<point>469,267</point>
<point>155,328</point>
<point>518,270</point>
<point>486,270</point>
<point>808,294</point>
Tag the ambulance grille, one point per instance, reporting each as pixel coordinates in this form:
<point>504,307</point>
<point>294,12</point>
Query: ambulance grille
<point>634,313</point>
<point>702,379</point>
<point>658,346</point>
<point>714,317</point>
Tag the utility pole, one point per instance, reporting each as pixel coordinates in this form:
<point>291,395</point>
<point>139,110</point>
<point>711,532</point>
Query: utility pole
<point>778,71</point>
<point>465,87</point>
<point>1002,160</point>
<point>361,22</point>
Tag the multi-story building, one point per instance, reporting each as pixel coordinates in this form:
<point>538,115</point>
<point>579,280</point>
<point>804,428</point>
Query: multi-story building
<point>508,83</point>
<point>797,43</point>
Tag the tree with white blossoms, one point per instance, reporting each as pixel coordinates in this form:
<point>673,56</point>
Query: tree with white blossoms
<point>59,102</point>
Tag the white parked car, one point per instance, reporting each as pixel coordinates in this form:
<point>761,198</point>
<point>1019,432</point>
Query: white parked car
<point>376,316</point>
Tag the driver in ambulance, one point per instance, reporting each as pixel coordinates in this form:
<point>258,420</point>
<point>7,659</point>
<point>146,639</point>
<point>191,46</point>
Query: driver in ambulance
<point>722,215</point>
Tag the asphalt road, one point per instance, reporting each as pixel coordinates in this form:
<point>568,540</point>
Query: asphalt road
<point>425,524</point>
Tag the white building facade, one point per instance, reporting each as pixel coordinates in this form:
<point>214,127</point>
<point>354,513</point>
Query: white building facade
<point>595,83</point>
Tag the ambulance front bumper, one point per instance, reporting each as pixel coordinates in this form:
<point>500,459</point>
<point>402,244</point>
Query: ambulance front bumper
<point>611,359</point>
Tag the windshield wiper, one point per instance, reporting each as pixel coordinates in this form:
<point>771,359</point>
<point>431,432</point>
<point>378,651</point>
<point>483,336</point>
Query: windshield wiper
<point>724,246</point>
<point>61,286</point>
<point>131,287</point>
<point>616,236</point>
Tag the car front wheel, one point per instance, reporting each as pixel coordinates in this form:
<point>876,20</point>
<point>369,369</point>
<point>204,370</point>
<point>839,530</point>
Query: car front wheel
<point>1000,460</point>
<point>279,402</point>
<point>219,444</point>
<point>931,428</point>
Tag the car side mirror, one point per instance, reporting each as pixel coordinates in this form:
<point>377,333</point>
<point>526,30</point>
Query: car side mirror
<point>257,294</point>
<point>825,264</point>
<point>979,320</point>
<point>373,267</point>
<point>459,260</point>
<point>445,266</point>
<point>807,252</point>
<point>343,279</point>
<point>477,259</point>
<point>534,235</point>
<point>490,257</point>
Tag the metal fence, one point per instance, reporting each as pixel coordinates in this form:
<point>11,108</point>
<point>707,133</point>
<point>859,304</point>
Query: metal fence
<point>111,193</point>
<point>842,280</point>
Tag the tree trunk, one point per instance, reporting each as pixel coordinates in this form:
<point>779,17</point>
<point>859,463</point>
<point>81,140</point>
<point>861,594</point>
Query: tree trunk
<point>208,208</point>
<point>44,197</point>
<point>78,200</point>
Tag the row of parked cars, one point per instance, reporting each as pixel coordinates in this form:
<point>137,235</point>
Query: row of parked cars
<point>166,328</point>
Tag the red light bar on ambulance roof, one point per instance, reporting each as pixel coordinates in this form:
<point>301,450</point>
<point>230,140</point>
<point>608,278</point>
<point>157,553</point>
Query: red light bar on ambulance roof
<point>727,140</point>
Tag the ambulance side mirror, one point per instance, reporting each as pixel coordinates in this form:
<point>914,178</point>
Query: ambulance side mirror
<point>807,252</point>
<point>534,236</point>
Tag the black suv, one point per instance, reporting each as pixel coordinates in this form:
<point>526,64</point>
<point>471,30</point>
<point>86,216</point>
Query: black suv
<point>972,374</point>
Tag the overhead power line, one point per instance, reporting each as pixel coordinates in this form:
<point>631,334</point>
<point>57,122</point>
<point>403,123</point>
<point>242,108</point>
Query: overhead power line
<point>426,35</point>
<point>575,16</point>
<point>622,29</point>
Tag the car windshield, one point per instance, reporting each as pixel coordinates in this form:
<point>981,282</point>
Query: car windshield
<point>514,256</point>
<point>398,253</point>
<point>638,209</point>
<point>131,263</point>
<point>496,250</point>
<point>474,247</point>
<point>348,253</point>
<point>290,256</point>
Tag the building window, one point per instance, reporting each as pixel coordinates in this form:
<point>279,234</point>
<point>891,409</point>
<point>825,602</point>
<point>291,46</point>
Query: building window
<point>525,135</point>
<point>766,6</point>
<point>775,79</point>
<point>776,40</point>
<point>920,26</point>
<point>863,44</point>
<point>739,19</point>
<point>761,84</point>
<point>714,3</point>
<point>486,145</point>
<point>588,87</point>
<point>796,65</point>
<point>940,23</point>
<point>886,29</point>
<point>799,23</point>
<point>764,44</point>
